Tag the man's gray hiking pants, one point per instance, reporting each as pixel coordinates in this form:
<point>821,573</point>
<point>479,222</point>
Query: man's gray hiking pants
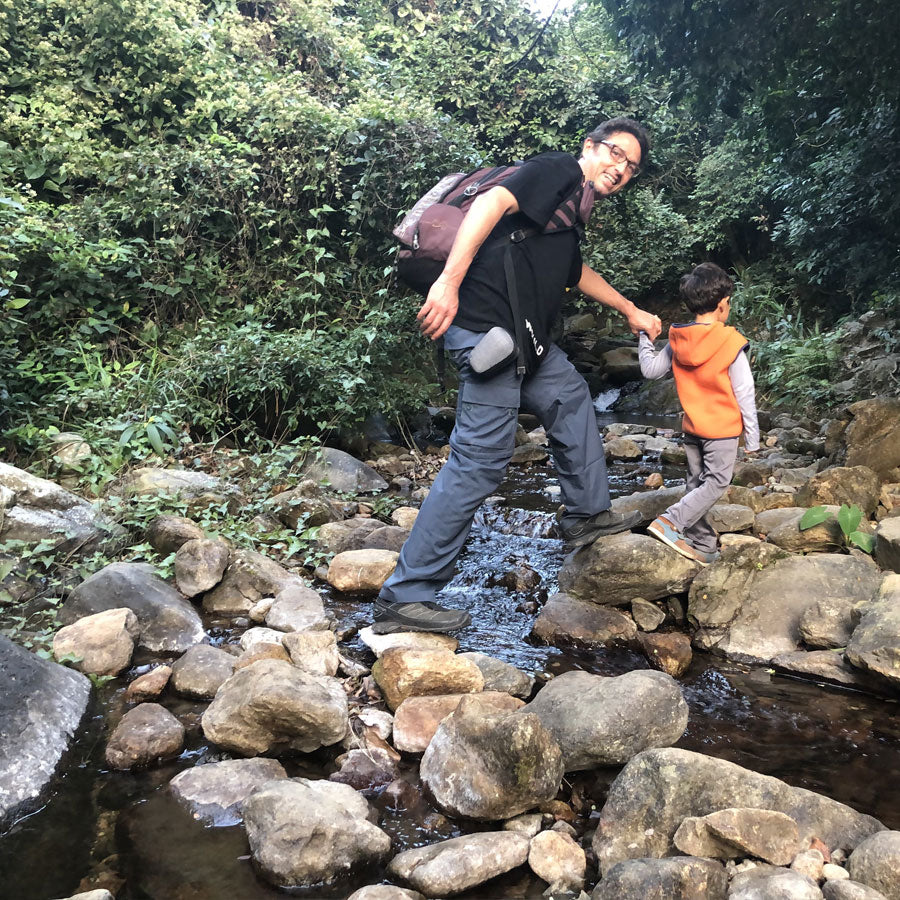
<point>481,446</point>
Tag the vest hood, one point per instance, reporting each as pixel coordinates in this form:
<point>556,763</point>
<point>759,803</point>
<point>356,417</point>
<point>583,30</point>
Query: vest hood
<point>695,344</point>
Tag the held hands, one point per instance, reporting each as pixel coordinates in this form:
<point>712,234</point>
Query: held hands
<point>640,320</point>
<point>439,309</point>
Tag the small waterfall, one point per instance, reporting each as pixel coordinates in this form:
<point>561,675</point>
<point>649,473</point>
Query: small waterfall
<point>604,400</point>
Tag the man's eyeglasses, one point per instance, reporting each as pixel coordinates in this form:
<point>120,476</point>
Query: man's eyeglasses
<point>619,156</point>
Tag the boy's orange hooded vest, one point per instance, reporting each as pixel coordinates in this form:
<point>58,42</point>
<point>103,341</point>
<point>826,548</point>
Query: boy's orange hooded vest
<point>701,355</point>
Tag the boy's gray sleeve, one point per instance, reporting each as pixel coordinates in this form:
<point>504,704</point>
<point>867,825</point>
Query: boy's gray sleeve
<point>745,393</point>
<point>653,365</point>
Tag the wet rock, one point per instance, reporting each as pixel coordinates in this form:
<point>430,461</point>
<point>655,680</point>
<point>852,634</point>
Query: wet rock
<point>167,621</point>
<point>647,616</point>
<point>201,671</point>
<point>258,651</point>
<point>521,579</point>
<point>853,485</point>
<point>491,767</point>
<point>874,646</point>
<point>306,503</point>
<point>215,792</point>
<point>873,436</point>
<point>407,640</point>
<point>167,533</point>
<point>313,651</point>
<point>614,569</point>
<point>253,637</point>
<point>829,622</point>
<point>567,619</point>
<point>365,769</point>
<point>342,472</point>
<point>654,480</point>
<point>748,606</point>
<point>850,890</point>
<point>558,860</point>
<point>809,863</point>
<point>621,365</point>
<point>414,673</point>
<point>501,676</point>
<point>528,453</point>
<point>600,721</point>
<point>451,867</point>
<point>730,517</point>
<point>361,570</point>
<point>199,489</point>
<point>649,504</point>
<point>670,653</point>
<point>819,665</point>
<point>385,892</point>
<point>876,863</point>
<point>768,884</point>
<point>676,878</point>
<point>34,509</point>
<point>200,565</point>
<point>781,527</point>
<point>102,643</point>
<point>149,685</point>
<point>298,608</point>
<point>306,833</point>
<point>418,718</point>
<point>145,735</point>
<point>272,707</point>
<point>887,544</point>
<point>658,789</point>
<point>621,449</point>
<point>41,707</point>
<point>736,833</point>
<point>250,576</point>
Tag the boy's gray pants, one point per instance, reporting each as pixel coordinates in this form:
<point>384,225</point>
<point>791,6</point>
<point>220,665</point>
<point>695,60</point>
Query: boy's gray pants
<point>481,445</point>
<point>710,465</point>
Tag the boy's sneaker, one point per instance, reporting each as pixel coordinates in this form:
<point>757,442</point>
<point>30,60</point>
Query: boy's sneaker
<point>600,525</point>
<point>391,618</point>
<point>663,530</point>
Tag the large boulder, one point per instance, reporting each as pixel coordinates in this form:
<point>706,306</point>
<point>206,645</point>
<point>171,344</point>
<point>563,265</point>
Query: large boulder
<point>613,570</point>
<point>201,671</point>
<point>272,707</point>
<point>676,878</point>
<point>200,490</point>
<point>873,436</point>
<point>658,789</point>
<point>41,707</point>
<point>876,863</point>
<point>773,883</point>
<point>599,721</point>
<point>101,644</point>
<point>874,646</point>
<point>491,767</point>
<point>649,504</point>
<point>34,509</point>
<point>199,565</point>
<point>565,619</point>
<point>781,527</point>
<point>738,833</point>
<point>750,604</point>
<point>501,676</point>
<point>168,623</point>
<point>306,503</point>
<point>451,867</point>
<point>298,608</point>
<point>404,673</point>
<point>349,534</point>
<point>145,735</point>
<point>250,576</point>
<point>361,570</point>
<point>853,485</point>
<point>306,834</point>
<point>343,472</point>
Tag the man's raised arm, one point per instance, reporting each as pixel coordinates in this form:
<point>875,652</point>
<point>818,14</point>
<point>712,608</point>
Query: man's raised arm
<point>598,288</point>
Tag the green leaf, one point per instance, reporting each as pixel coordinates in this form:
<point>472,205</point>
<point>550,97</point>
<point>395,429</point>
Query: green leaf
<point>815,515</point>
<point>155,440</point>
<point>17,302</point>
<point>849,518</point>
<point>865,542</point>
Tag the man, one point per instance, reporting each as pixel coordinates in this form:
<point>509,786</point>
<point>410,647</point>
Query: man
<point>468,299</point>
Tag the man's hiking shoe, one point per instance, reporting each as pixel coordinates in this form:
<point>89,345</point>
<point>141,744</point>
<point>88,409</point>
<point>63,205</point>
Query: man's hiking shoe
<point>391,618</point>
<point>663,530</point>
<point>600,525</point>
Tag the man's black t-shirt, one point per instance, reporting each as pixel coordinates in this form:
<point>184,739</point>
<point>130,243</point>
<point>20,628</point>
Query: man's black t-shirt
<point>545,264</point>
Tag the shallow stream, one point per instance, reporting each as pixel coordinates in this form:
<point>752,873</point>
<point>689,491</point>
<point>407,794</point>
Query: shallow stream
<point>840,743</point>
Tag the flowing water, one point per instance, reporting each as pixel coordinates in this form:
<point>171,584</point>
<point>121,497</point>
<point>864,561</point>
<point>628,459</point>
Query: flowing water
<point>840,743</point>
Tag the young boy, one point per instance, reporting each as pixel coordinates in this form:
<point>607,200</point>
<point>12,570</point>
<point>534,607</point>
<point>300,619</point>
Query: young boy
<point>715,387</point>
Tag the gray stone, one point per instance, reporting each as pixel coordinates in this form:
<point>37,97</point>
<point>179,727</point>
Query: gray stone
<point>850,890</point>
<point>272,707</point>
<point>819,665</point>
<point>613,570</point>
<point>853,485</point>
<point>149,685</point>
<point>349,534</point>
<point>342,472</point>
<point>385,892</point>
<point>200,565</point>
<point>145,735</point>
<point>647,616</point>
<point>875,862</point>
<point>873,436</point>
<point>726,518</point>
<point>502,676</point>
<point>167,533</point>
<point>306,833</point>
<point>781,527</point>
<point>361,570</point>
<point>214,793</point>
<point>201,671</point>
<point>622,449</point>
<point>874,646</point>
<point>451,867</point>
<point>491,767</point>
<point>102,643</point>
<point>676,878</point>
<point>649,504</point>
<point>306,503</point>
<point>366,769</point>
<point>313,651</point>
<point>828,622</point>
<point>41,707</point>
<point>600,721</point>
<point>887,544</point>
<point>557,859</point>
<point>298,608</point>
<point>199,489</point>
<point>250,576</point>
<point>658,789</point>
<point>566,619</point>
<point>735,833</point>
<point>401,673</point>
<point>168,622</point>
<point>776,884</point>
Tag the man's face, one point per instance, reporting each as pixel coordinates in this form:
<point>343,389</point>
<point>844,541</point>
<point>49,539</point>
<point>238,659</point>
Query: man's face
<point>608,173</point>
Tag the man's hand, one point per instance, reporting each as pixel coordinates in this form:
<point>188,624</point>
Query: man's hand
<point>439,309</point>
<point>640,320</point>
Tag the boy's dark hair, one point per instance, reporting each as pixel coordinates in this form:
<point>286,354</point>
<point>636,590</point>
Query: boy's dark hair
<point>629,126</point>
<point>704,287</point>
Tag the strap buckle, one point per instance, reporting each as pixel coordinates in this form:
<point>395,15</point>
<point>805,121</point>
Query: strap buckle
<point>518,236</point>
